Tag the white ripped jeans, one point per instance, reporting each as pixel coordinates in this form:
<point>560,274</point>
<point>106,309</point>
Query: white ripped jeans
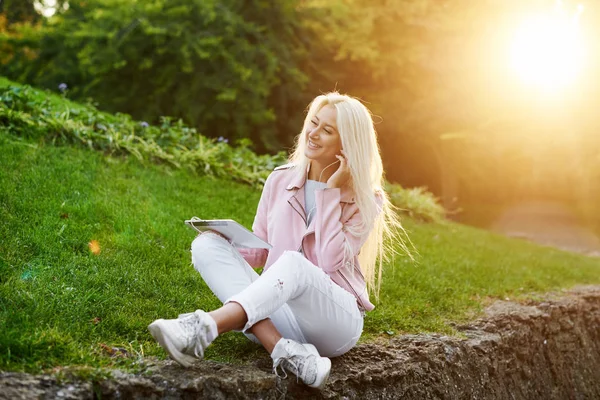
<point>301,300</point>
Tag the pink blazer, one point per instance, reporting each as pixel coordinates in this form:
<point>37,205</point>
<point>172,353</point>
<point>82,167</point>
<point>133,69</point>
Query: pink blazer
<point>281,221</point>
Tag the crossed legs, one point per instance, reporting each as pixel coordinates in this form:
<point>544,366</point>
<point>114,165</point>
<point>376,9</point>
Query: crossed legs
<point>231,316</point>
<point>293,299</point>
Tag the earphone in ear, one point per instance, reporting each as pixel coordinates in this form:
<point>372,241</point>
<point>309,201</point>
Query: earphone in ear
<point>336,161</point>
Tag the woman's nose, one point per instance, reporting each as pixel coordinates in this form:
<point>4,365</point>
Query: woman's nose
<point>314,132</point>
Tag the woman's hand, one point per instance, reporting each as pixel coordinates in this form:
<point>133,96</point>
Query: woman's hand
<point>342,175</point>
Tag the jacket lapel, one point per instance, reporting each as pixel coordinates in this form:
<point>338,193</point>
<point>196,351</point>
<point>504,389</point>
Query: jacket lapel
<point>296,201</point>
<point>296,195</point>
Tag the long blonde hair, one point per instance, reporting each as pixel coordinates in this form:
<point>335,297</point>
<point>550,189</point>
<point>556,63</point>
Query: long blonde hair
<point>359,141</point>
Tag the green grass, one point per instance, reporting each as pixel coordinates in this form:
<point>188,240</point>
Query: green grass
<point>53,202</point>
<point>59,303</point>
<point>43,116</point>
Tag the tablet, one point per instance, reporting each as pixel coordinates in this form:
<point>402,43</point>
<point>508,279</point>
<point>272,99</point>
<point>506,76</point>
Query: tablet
<point>232,230</point>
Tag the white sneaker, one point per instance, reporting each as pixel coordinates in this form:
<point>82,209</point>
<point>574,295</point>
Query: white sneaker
<point>303,360</point>
<point>185,338</point>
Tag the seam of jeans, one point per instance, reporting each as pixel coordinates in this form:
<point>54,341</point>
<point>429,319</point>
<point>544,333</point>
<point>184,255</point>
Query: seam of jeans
<point>347,346</point>
<point>326,276</point>
<point>354,298</point>
<point>237,255</point>
<point>333,299</point>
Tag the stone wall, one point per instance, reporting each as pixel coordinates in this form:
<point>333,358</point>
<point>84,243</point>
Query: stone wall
<point>541,350</point>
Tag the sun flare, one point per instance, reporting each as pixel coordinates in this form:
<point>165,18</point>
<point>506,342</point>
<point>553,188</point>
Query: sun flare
<point>548,50</point>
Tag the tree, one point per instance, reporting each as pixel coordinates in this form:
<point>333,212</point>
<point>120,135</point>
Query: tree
<point>19,11</point>
<point>226,67</point>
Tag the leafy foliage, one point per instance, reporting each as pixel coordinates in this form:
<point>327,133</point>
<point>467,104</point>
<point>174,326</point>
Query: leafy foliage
<point>28,115</point>
<point>226,68</point>
<point>452,118</point>
<point>16,11</point>
<point>417,203</point>
<point>447,115</point>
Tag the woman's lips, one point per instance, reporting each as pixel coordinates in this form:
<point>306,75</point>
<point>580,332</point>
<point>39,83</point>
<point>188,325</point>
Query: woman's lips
<point>312,145</point>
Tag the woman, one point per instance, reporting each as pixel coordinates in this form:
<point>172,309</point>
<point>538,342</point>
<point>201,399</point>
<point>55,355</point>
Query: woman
<point>325,214</point>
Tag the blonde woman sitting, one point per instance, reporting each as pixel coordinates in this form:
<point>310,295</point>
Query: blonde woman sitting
<point>325,214</point>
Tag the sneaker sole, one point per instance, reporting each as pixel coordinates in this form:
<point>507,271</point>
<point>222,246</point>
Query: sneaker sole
<point>320,383</point>
<point>326,362</point>
<point>155,329</point>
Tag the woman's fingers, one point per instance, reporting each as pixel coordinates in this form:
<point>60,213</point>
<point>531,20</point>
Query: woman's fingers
<point>344,155</point>
<point>343,161</point>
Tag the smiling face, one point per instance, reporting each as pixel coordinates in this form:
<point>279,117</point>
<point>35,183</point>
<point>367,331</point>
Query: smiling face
<point>323,141</point>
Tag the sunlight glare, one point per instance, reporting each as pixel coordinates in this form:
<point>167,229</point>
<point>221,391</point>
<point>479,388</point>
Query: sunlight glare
<point>548,50</point>
<point>45,7</point>
<point>94,246</point>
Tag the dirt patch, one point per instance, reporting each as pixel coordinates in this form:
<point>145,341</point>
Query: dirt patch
<point>541,350</point>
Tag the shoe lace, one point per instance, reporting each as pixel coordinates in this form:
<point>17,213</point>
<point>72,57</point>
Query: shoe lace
<point>196,332</point>
<point>283,363</point>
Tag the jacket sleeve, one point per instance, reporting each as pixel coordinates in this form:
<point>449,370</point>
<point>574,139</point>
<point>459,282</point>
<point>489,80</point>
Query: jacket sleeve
<point>332,239</point>
<point>258,257</point>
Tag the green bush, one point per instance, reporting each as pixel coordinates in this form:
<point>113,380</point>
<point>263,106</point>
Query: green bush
<point>226,68</point>
<point>417,202</point>
<point>25,113</point>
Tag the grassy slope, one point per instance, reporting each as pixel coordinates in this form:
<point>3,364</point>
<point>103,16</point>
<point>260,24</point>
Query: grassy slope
<point>59,302</point>
<point>52,203</point>
<point>54,200</point>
